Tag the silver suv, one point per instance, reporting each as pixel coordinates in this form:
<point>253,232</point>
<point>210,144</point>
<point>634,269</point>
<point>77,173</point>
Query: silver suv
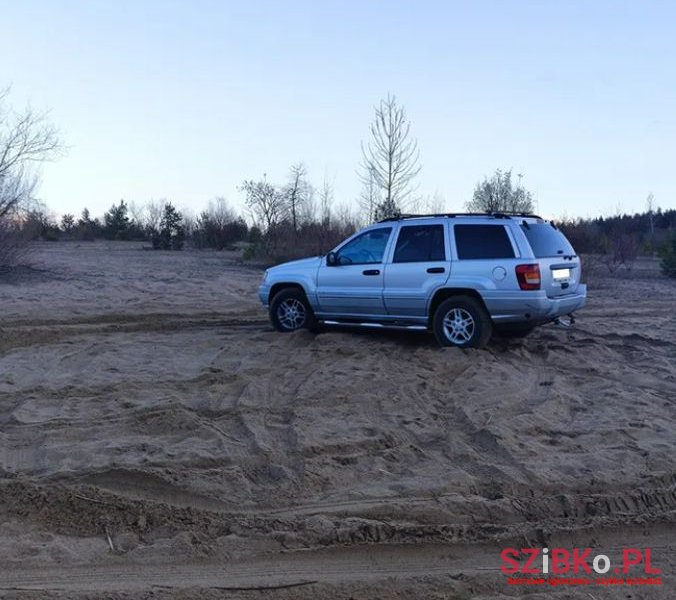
<point>463,276</point>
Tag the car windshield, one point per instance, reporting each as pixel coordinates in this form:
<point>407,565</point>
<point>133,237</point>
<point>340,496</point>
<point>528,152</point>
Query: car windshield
<point>546,241</point>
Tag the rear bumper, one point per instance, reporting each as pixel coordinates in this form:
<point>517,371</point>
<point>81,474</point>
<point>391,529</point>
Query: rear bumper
<point>547,309</point>
<point>535,307</point>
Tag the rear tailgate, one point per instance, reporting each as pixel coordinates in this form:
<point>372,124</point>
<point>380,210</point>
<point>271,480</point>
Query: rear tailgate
<point>560,268</point>
<point>559,277</point>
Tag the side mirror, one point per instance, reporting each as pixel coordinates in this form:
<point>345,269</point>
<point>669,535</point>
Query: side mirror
<point>331,259</point>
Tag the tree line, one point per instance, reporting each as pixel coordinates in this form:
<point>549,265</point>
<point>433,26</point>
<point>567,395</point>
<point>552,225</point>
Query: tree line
<point>618,240</point>
<point>280,222</point>
<point>295,217</point>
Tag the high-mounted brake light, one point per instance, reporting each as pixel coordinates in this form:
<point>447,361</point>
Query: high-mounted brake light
<point>528,277</point>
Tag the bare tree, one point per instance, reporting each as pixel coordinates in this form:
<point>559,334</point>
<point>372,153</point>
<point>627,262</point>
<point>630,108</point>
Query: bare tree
<point>297,193</point>
<point>345,217</point>
<point>391,157</point>
<point>369,197</point>
<point>219,212</point>
<point>189,220</point>
<point>499,194</point>
<point>326,200</point>
<point>219,226</point>
<point>137,213</point>
<point>308,212</point>
<point>650,208</point>
<point>266,203</point>
<point>26,139</point>
<point>153,214</point>
<point>434,204</point>
<point>620,249</point>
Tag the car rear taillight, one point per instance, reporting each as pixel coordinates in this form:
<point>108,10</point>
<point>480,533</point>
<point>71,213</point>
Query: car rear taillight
<point>528,277</point>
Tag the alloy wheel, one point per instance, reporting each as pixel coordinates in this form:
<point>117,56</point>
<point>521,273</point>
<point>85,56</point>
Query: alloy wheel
<point>291,314</point>
<point>458,326</point>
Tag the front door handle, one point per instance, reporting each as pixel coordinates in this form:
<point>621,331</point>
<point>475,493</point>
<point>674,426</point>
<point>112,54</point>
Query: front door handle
<point>436,270</point>
<point>371,272</point>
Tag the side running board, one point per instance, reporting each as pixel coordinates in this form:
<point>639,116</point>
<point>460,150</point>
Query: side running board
<point>375,325</point>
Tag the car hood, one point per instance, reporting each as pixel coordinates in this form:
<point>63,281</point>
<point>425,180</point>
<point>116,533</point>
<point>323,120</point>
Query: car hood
<point>303,263</point>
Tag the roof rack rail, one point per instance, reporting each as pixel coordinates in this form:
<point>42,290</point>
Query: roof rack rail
<point>495,215</point>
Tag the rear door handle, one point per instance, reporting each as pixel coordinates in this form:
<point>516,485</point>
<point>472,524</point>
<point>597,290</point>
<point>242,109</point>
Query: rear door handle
<point>436,270</point>
<point>371,272</point>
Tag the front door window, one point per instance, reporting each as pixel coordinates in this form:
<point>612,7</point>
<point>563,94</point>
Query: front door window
<point>366,249</point>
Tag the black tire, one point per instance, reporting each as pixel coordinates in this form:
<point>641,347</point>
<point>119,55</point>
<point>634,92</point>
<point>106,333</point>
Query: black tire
<point>292,299</point>
<point>514,330</point>
<point>472,335</point>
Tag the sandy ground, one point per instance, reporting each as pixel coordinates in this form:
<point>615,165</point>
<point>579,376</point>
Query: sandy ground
<point>159,440</point>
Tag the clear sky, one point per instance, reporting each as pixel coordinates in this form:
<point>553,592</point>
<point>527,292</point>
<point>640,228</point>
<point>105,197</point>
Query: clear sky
<point>185,99</point>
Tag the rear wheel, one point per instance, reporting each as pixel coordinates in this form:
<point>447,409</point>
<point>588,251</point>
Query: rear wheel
<point>462,321</point>
<point>290,311</point>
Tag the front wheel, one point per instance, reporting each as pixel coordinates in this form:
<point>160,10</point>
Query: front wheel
<point>290,311</point>
<point>463,322</point>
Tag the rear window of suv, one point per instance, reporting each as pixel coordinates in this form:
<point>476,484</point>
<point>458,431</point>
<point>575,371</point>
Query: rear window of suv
<point>482,241</point>
<point>546,241</point>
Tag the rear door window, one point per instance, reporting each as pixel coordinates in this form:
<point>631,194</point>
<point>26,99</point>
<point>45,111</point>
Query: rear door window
<point>420,243</point>
<point>546,241</point>
<point>482,241</point>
